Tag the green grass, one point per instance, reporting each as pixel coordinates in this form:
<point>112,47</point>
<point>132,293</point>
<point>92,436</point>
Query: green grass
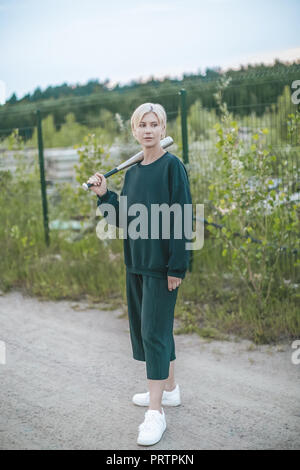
<point>211,301</point>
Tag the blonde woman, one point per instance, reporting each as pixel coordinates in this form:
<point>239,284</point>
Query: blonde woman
<point>155,267</point>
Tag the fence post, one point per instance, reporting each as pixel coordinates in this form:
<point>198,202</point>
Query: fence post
<point>184,133</point>
<point>42,176</point>
<point>185,145</point>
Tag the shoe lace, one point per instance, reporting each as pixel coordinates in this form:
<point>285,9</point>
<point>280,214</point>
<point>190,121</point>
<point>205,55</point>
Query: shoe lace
<point>151,419</point>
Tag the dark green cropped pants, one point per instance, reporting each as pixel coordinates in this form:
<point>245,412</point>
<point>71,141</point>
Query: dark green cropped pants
<point>151,317</point>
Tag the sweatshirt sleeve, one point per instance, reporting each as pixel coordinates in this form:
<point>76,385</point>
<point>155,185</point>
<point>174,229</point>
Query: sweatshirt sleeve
<point>179,193</point>
<point>110,197</point>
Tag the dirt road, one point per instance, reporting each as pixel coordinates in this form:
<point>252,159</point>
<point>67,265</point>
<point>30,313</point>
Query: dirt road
<point>69,378</point>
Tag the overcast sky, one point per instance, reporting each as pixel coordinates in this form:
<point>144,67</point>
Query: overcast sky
<point>50,42</point>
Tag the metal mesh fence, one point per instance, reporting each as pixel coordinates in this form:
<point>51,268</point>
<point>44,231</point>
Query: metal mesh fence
<point>251,106</point>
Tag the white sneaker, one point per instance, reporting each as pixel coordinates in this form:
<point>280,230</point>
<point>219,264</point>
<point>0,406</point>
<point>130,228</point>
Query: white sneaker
<point>152,429</point>
<point>168,399</point>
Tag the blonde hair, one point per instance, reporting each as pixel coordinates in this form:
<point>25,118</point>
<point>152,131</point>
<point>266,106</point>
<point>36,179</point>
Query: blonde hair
<point>149,108</point>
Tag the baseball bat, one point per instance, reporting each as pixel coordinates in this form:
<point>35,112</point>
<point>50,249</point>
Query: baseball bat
<point>166,142</point>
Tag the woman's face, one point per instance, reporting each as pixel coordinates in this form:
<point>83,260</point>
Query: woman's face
<point>149,131</point>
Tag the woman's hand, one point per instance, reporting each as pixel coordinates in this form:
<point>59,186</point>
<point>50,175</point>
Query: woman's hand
<point>99,182</point>
<point>173,282</point>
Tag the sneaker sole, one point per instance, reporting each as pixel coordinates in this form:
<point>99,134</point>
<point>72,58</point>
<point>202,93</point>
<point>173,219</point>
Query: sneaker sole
<point>164,403</point>
<point>140,443</point>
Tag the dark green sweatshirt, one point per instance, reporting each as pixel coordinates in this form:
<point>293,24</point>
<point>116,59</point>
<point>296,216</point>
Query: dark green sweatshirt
<point>163,181</point>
